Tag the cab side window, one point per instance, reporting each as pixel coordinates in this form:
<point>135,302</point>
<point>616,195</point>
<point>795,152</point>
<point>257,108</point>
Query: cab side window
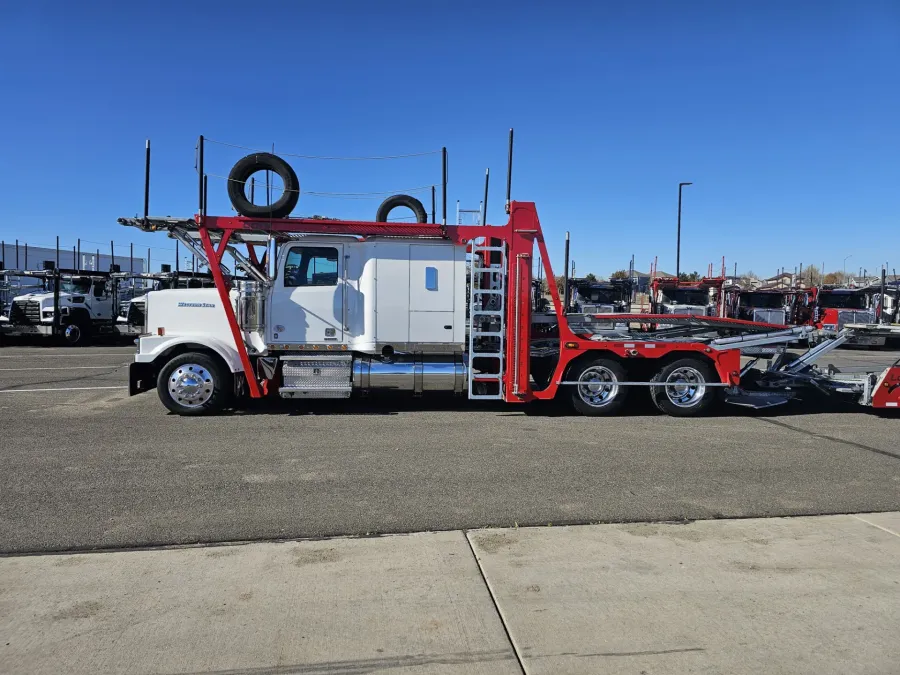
<point>311,266</point>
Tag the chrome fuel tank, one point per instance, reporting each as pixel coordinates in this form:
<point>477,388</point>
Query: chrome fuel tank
<point>414,373</point>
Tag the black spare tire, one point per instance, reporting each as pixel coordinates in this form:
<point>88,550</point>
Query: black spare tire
<point>391,203</point>
<point>263,161</point>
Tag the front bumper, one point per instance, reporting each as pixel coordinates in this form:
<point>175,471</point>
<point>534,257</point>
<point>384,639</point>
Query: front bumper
<point>141,377</point>
<point>21,329</point>
<point>128,330</point>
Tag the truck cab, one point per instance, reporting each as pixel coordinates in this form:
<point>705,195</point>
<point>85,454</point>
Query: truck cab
<point>759,306</point>
<point>835,307</point>
<point>680,298</point>
<point>339,314</point>
<point>601,297</point>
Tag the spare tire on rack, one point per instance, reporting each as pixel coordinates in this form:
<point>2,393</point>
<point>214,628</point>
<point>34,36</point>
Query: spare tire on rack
<point>391,203</point>
<point>263,161</point>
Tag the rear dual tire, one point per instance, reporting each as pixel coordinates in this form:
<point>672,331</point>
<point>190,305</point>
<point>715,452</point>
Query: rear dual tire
<point>686,393</point>
<point>599,393</point>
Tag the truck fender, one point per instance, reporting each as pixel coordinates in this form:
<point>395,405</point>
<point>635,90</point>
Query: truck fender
<point>160,349</point>
<point>76,315</point>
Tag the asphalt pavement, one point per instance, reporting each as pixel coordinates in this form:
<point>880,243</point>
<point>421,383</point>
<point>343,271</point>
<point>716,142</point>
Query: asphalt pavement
<point>84,466</point>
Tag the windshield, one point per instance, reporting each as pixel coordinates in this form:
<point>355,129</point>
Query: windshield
<point>598,296</point>
<point>842,300</point>
<point>75,286</point>
<point>686,296</point>
<point>762,300</point>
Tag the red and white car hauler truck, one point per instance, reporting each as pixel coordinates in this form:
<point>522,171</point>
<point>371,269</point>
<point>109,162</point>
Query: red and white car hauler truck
<point>355,307</point>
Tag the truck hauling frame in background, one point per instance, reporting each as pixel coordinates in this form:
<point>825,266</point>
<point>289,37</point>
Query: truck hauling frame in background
<point>72,305</point>
<point>359,306</point>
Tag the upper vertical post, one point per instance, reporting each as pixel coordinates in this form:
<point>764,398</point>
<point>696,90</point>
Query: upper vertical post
<point>509,170</point>
<point>565,308</point>
<point>147,183</point>
<point>444,186</point>
<point>487,180</point>
<point>678,241</point>
<point>200,175</point>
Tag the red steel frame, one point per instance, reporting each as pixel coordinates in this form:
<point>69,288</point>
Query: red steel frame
<point>520,234</point>
<point>887,395</point>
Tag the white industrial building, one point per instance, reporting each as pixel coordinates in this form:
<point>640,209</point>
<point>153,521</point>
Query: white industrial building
<point>26,257</point>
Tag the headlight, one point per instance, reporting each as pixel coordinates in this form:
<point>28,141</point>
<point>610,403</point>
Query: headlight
<point>47,313</point>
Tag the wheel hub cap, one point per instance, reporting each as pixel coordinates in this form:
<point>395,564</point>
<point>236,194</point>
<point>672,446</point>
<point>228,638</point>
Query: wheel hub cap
<point>191,385</point>
<point>687,387</point>
<point>597,386</point>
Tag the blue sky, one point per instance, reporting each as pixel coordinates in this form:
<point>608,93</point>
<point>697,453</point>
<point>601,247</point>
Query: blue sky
<point>785,115</point>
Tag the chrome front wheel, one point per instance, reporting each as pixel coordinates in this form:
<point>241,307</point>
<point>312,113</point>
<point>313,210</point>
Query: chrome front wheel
<point>194,384</point>
<point>191,385</point>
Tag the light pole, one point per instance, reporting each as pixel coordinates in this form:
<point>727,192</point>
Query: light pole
<point>678,244</point>
<point>844,280</point>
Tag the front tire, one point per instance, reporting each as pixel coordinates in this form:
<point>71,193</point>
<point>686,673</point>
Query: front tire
<point>688,394</point>
<point>194,384</point>
<point>597,392</point>
<point>76,334</point>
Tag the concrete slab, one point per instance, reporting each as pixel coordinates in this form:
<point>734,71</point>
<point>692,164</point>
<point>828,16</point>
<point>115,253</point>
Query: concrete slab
<point>799,595</point>
<point>889,522</point>
<point>401,604</point>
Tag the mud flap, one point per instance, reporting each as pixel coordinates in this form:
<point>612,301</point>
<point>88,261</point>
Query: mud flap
<point>141,377</point>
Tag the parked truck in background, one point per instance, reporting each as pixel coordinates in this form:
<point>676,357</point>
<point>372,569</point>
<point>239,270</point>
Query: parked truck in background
<point>832,308</point>
<point>71,305</point>
<point>601,297</point>
<point>765,306</point>
<point>699,298</point>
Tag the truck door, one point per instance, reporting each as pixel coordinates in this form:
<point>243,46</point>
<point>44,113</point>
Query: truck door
<point>101,300</point>
<point>308,301</point>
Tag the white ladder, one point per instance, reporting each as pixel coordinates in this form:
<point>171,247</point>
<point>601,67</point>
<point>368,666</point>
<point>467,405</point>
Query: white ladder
<point>487,304</point>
